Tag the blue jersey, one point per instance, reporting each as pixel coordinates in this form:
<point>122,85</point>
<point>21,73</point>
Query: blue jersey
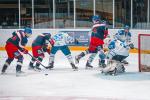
<point>41,40</point>
<point>99,31</point>
<point>19,39</point>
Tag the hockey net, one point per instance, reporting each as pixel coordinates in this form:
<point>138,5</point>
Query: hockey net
<point>144,52</point>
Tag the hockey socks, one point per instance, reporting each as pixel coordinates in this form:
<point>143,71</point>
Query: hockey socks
<point>90,60</point>
<point>78,57</point>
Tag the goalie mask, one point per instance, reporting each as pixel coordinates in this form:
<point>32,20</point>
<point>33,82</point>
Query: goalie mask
<point>126,28</point>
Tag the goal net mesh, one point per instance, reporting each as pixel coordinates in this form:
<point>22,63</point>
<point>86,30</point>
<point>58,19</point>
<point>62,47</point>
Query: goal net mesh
<point>144,52</point>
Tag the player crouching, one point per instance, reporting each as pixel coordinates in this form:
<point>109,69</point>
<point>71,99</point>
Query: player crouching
<point>14,47</point>
<point>118,51</point>
<point>39,46</point>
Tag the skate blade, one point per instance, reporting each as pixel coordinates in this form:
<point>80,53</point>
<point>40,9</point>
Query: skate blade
<point>37,70</point>
<point>3,73</point>
<point>30,68</point>
<point>88,68</point>
<point>75,69</point>
<point>21,75</point>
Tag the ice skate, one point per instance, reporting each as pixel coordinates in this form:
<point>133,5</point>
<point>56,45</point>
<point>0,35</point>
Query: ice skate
<point>75,68</point>
<point>102,65</point>
<point>3,73</point>
<point>88,66</point>
<point>37,69</point>
<point>50,66</point>
<point>4,69</point>
<point>31,67</point>
<point>20,73</point>
<point>77,58</point>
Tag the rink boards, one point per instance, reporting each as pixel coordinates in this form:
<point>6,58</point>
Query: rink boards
<point>81,34</point>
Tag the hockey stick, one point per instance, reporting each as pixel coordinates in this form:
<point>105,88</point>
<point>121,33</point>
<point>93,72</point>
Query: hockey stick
<point>37,60</point>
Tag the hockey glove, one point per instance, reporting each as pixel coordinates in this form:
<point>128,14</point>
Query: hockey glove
<point>48,50</point>
<point>52,42</point>
<point>44,48</point>
<point>25,51</point>
<point>131,46</point>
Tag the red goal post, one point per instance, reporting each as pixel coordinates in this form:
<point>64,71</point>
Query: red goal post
<point>144,52</point>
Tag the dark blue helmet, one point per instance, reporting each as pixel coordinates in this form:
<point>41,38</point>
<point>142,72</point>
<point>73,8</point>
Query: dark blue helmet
<point>47,35</point>
<point>96,18</point>
<point>28,31</point>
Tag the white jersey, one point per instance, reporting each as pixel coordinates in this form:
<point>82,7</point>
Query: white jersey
<point>119,48</point>
<point>61,39</point>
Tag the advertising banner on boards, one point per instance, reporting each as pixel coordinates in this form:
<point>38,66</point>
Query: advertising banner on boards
<point>81,38</point>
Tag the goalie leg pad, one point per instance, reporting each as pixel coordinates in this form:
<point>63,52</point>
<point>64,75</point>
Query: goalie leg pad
<point>111,66</point>
<point>120,67</point>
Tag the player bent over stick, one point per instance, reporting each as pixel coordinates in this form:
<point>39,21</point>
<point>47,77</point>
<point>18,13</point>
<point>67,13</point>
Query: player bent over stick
<point>118,51</point>
<point>99,32</point>
<point>39,46</point>
<point>14,46</point>
<point>60,43</point>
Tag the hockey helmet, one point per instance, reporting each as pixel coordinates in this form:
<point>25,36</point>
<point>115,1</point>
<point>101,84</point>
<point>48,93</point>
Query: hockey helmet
<point>47,35</point>
<point>28,31</point>
<point>96,18</point>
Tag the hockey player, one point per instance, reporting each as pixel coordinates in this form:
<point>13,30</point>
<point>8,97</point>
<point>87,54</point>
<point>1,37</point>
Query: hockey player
<point>14,46</point>
<point>124,35</point>
<point>39,46</point>
<point>118,51</point>
<point>98,33</point>
<point>60,43</point>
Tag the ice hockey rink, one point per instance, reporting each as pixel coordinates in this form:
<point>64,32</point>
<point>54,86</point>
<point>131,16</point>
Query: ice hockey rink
<point>62,83</point>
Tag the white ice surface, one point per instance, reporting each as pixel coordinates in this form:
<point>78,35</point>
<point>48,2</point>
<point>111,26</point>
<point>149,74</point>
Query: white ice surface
<point>63,82</point>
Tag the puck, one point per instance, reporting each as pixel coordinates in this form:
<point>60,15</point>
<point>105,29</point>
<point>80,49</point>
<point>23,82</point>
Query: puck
<point>46,74</point>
